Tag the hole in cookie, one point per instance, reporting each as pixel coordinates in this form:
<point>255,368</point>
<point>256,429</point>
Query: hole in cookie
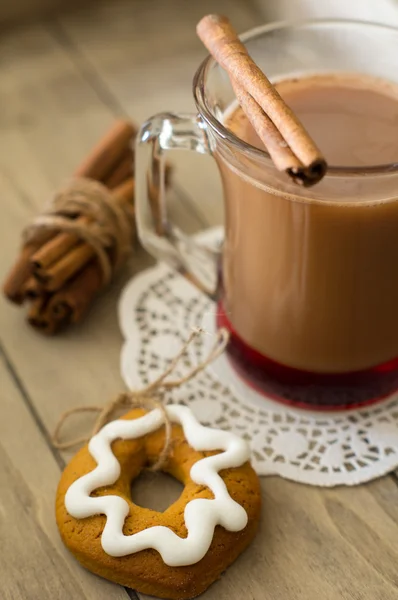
<point>156,491</point>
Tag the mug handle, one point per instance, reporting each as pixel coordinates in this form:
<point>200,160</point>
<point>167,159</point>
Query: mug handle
<point>162,238</point>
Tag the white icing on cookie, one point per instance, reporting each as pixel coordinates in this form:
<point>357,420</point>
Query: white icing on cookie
<point>201,515</point>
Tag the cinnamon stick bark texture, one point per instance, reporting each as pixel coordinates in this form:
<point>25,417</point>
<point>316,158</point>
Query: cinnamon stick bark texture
<point>32,289</point>
<point>288,143</point>
<point>39,318</point>
<point>55,248</point>
<point>73,301</point>
<point>54,278</point>
<point>106,154</point>
<point>20,272</point>
<point>122,171</point>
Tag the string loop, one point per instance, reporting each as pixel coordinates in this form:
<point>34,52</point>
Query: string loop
<point>149,397</point>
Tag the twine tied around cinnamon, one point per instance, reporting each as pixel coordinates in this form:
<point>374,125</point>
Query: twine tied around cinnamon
<point>149,397</point>
<point>108,225</point>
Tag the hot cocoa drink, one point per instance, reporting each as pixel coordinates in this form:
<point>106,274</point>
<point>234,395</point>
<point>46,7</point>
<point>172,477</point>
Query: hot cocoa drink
<point>311,283</point>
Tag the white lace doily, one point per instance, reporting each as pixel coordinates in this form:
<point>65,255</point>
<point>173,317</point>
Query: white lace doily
<point>157,311</point>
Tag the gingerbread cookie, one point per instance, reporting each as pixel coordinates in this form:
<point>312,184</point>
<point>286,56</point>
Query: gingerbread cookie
<point>176,554</point>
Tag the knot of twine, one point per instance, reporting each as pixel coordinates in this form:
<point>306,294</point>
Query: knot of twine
<point>106,224</point>
<point>149,397</point>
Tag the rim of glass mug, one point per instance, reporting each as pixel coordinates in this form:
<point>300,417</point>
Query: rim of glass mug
<point>199,84</point>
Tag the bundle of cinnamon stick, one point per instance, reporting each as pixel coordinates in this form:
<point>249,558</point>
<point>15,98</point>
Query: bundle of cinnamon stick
<point>57,273</point>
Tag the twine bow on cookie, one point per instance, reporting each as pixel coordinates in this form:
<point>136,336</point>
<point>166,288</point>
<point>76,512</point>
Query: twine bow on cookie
<point>106,224</point>
<point>149,397</point>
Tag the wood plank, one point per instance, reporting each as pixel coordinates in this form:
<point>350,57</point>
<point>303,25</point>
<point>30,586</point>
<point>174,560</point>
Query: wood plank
<point>148,62</point>
<point>12,13</point>
<point>33,560</point>
<point>313,544</point>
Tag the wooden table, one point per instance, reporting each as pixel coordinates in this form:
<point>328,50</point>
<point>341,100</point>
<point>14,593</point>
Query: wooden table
<point>62,83</point>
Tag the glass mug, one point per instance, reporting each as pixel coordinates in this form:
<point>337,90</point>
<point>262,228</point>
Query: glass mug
<point>305,277</point>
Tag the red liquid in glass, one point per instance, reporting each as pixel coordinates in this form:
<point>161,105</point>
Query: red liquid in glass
<point>305,389</point>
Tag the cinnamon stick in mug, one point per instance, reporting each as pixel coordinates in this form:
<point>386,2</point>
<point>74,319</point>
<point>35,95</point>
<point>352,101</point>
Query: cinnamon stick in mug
<point>288,143</point>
